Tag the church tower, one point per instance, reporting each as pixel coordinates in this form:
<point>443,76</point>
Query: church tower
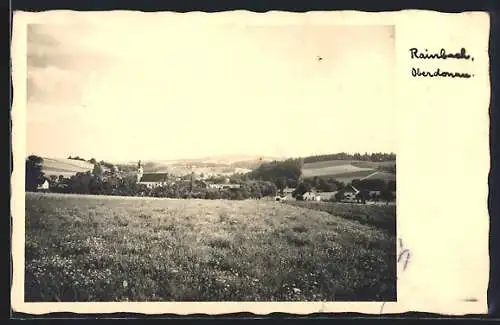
<point>140,171</point>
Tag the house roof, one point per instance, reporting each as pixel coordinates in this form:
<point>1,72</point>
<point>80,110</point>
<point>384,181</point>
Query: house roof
<point>154,177</point>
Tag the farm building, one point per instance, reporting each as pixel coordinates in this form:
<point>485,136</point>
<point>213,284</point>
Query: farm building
<point>280,198</point>
<point>311,196</point>
<point>327,195</point>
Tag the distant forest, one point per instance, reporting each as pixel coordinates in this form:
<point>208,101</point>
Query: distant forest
<point>379,156</point>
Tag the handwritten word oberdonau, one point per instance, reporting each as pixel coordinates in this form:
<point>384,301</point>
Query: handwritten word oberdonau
<point>416,72</point>
<point>462,55</point>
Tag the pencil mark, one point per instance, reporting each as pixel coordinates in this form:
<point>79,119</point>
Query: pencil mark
<point>382,307</point>
<point>404,255</point>
<point>470,300</point>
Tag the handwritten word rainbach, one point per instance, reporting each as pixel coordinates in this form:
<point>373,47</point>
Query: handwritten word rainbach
<point>442,55</point>
<point>417,72</point>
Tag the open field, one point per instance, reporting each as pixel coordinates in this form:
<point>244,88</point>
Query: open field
<point>334,170</point>
<point>66,167</point>
<point>347,170</point>
<point>96,248</point>
<point>348,177</point>
<point>356,163</point>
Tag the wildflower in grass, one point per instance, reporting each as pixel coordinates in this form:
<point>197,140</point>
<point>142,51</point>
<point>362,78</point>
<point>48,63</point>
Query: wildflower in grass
<point>125,284</point>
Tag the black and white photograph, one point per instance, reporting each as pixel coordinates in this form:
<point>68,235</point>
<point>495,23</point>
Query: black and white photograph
<point>218,161</point>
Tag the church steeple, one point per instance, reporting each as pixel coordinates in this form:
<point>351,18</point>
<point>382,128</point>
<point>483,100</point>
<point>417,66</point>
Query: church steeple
<point>140,171</point>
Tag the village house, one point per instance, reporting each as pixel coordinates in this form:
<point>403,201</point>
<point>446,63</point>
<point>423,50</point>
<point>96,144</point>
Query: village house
<point>152,180</point>
<point>280,198</point>
<point>287,194</point>
<point>311,196</point>
<point>44,186</point>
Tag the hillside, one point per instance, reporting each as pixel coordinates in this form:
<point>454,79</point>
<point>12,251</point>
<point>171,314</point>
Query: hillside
<point>65,167</point>
<point>347,170</point>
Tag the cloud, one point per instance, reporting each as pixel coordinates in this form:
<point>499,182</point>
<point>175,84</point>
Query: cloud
<point>59,66</point>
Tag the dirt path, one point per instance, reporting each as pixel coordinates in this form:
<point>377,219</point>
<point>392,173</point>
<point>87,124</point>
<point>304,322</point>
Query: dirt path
<point>374,173</point>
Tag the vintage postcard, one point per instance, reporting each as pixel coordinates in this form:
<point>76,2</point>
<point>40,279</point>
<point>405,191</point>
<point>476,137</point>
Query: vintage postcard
<point>246,162</point>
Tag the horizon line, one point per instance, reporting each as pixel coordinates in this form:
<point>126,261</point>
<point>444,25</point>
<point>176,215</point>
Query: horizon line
<point>222,156</point>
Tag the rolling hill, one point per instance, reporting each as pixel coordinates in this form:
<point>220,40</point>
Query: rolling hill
<point>347,170</point>
<point>65,167</point>
<point>208,166</point>
<point>341,170</point>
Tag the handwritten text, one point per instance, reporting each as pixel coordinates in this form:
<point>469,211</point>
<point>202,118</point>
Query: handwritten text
<point>416,54</point>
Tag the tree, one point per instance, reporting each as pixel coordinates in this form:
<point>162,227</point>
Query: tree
<point>374,197</point>
<point>301,190</point>
<point>391,185</point>
<point>363,196</point>
<point>339,196</point>
<point>34,173</point>
<point>98,171</point>
<point>288,172</point>
<point>387,196</point>
<point>280,184</point>
<point>53,180</point>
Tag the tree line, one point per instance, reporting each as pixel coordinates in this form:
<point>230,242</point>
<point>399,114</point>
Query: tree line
<point>268,179</point>
<point>116,182</point>
<point>378,156</point>
<point>286,173</point>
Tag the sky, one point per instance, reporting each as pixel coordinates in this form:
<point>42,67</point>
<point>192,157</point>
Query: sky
<point>166,90</point>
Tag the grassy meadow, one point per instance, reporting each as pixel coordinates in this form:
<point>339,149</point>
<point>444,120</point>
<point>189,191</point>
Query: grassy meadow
<point>97,248</point>
<point>381,216</point>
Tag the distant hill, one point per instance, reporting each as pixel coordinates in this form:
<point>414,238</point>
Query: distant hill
<point>65,167</point>
<point>208,166</point>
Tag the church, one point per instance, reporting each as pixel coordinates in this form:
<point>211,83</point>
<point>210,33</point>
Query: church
<point>140,171</point>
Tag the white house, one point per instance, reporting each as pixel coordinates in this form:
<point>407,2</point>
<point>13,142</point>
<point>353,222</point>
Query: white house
<point>309,196</point>
<point>280,198</point>
<point>44,186</point>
